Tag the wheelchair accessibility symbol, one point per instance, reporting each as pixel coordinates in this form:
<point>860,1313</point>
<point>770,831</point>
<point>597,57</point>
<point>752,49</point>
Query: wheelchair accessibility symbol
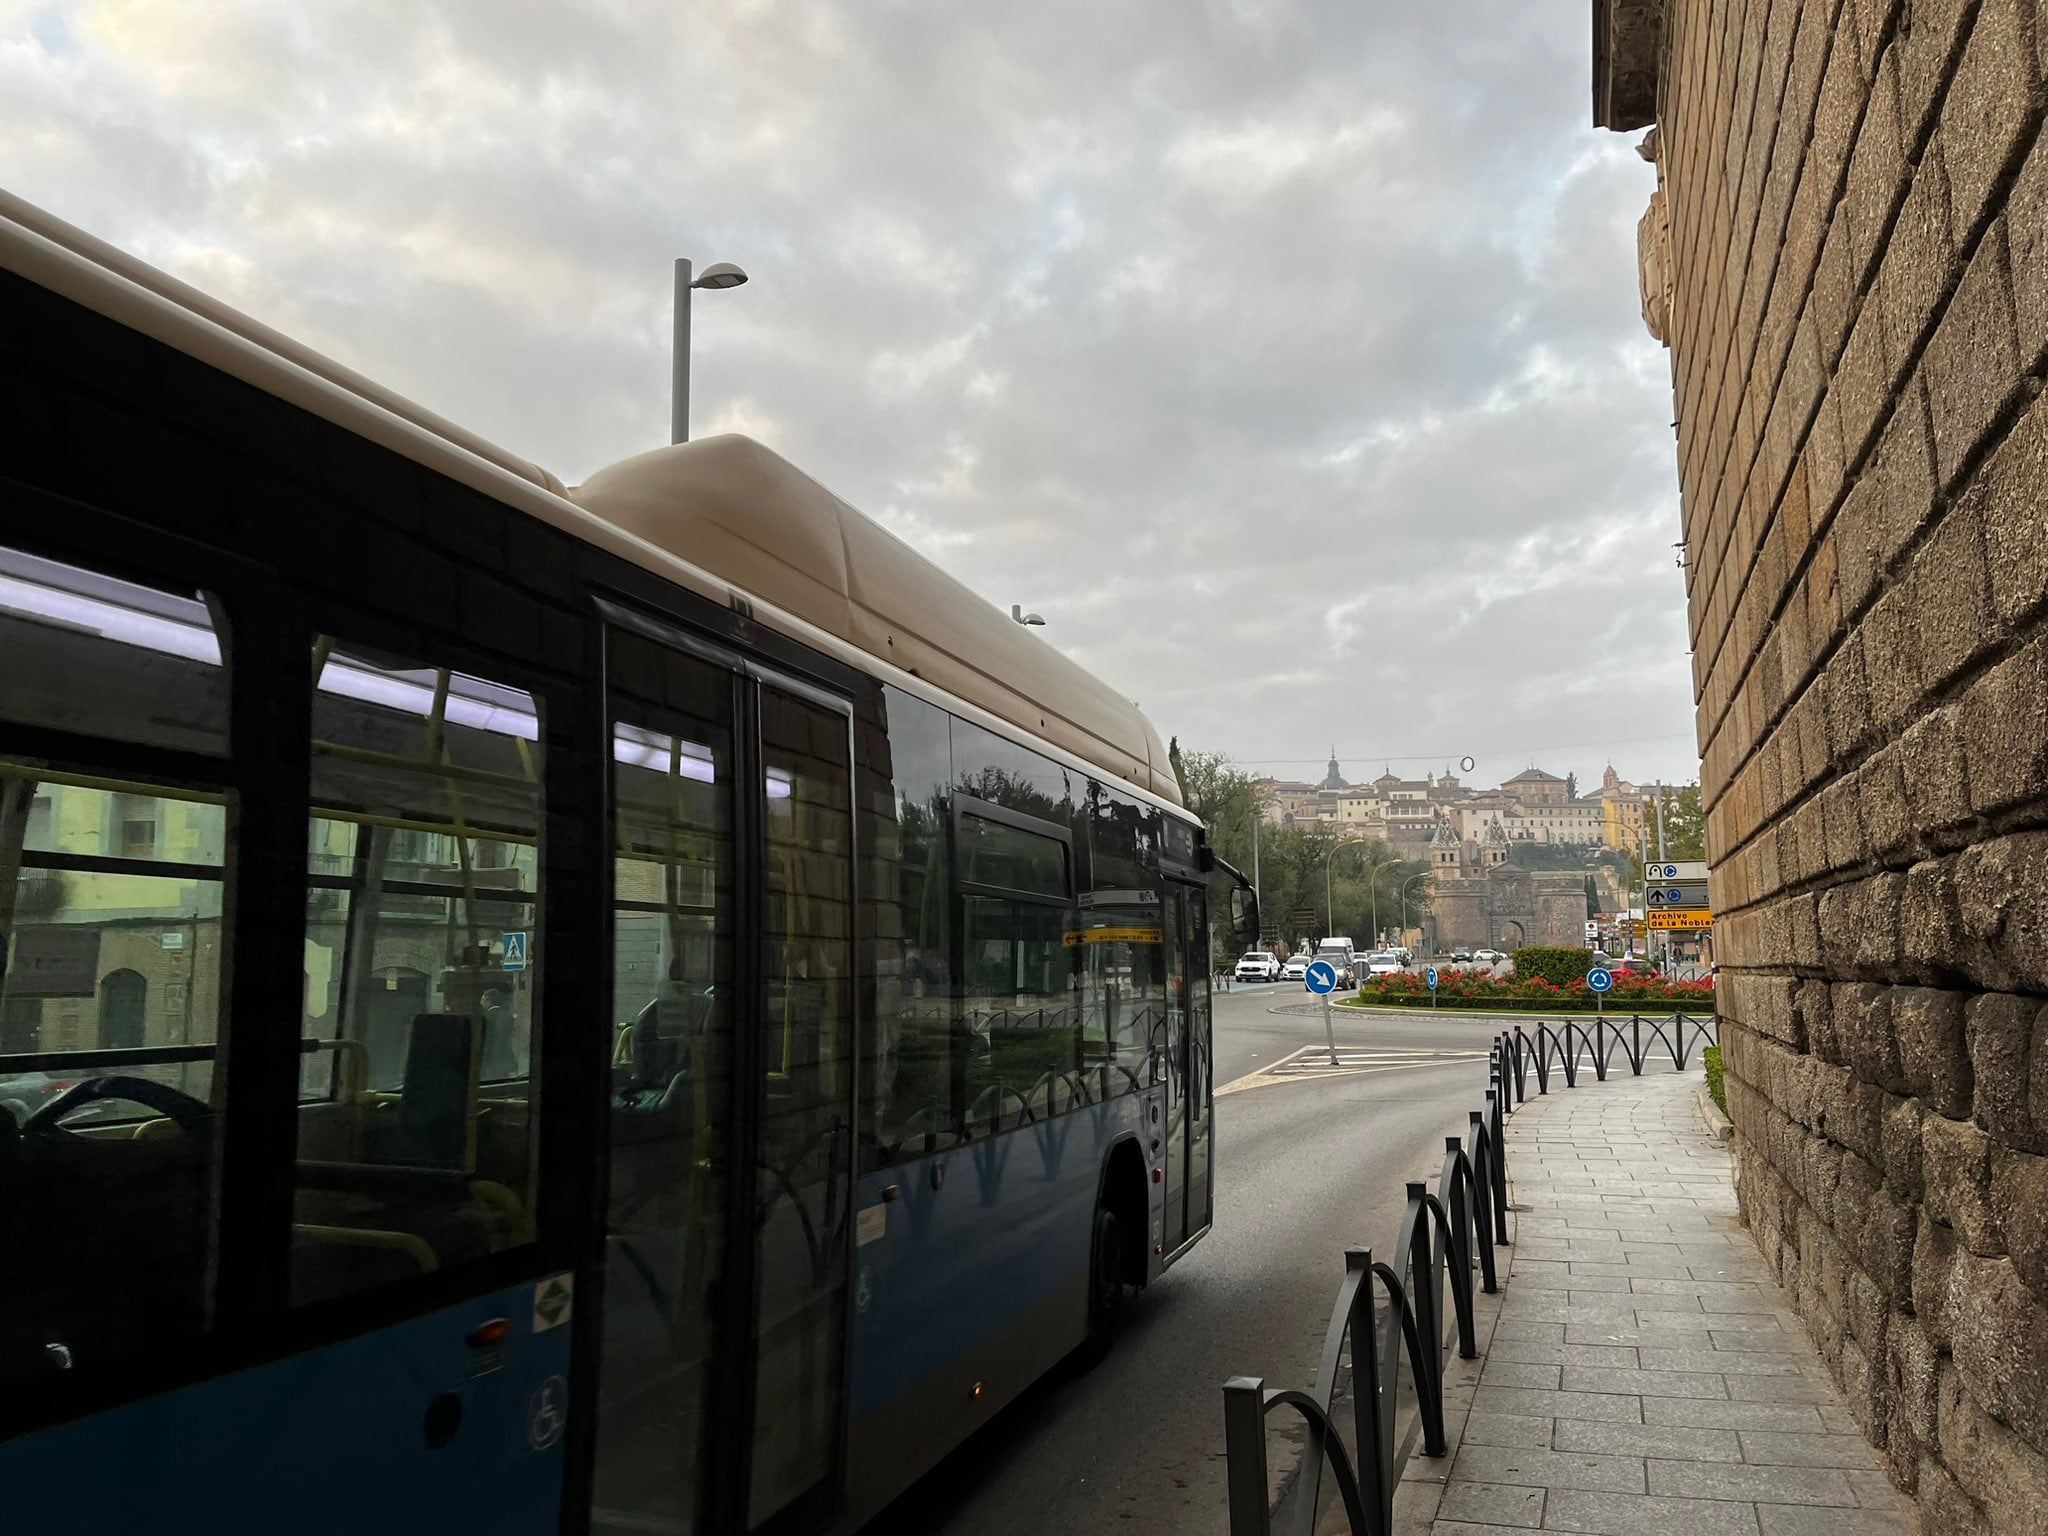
<point>547,1414</point>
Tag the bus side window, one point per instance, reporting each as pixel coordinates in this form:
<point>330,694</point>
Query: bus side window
<point>416,1142</point>
<point>111,971</point>
<point>913,1092</point>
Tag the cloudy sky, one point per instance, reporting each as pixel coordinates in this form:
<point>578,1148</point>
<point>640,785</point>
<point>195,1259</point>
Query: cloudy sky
<point>1283,353</point>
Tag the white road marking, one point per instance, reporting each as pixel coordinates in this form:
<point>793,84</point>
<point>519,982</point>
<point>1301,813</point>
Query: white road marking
<point>1313,1061</point>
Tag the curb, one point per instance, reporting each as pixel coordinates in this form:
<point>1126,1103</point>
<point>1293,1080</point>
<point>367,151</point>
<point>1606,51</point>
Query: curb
<point>1718,1125</point>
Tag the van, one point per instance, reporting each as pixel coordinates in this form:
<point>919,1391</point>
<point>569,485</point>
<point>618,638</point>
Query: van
<point>1336,946</point>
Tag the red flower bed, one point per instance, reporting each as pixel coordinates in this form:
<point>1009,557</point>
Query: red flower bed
<point>1481,987</point>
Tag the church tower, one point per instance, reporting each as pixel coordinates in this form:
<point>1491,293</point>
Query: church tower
<point>1494,852</point>
<point>1443,853</point>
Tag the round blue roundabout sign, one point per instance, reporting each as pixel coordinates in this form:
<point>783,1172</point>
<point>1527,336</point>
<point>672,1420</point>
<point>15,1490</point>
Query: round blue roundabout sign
<point>1599,978</point>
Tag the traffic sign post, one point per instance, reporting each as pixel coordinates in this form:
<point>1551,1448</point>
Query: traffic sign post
<point>1321,979</point>
<point>1600,980</point>
<point>1430,977</point>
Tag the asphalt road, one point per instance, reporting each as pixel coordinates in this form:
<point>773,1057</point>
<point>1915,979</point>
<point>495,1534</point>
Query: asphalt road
<point>1306,1167</point>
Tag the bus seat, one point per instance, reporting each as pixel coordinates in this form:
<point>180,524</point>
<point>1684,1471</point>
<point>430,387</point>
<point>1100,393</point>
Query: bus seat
<point>437,1105</point>
<point>507,1207</point>
<point>337,1261</point>
<point>658,1042</point>
<point>352,1066</point>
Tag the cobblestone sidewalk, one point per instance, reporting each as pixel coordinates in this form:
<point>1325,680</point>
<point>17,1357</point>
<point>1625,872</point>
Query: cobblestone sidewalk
<point>1643,1376</point>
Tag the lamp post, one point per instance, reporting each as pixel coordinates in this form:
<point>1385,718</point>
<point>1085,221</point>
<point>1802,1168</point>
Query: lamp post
<point>1402,897</point>
<point>1258,891</point>
<point>720,274</point>
<point>1330,906</point>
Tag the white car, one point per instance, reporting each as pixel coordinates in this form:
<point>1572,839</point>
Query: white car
<point>1384,963</point>
<point>1258,966</point>
<point>1296,968</point>
<point>1487,956</point>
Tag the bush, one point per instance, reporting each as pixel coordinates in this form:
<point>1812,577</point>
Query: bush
<point>1553,963</point>
<point>1712,1057</point>
<point>1460,988</point>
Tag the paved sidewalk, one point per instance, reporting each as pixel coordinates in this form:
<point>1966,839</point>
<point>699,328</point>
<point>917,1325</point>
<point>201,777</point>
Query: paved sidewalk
<point>1644,1376</point>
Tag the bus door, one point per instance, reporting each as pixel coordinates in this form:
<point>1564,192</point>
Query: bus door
<point>1186,924</point>
<point>1200,1141</point>
<point>731,1095</point>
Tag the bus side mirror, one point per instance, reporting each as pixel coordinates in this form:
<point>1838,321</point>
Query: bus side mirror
<point>1244,917</point>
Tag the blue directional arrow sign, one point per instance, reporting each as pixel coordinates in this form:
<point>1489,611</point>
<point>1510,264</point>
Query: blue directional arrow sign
<point>1321,978</point>
<point>1599,978</point>
<point>1429,976</point>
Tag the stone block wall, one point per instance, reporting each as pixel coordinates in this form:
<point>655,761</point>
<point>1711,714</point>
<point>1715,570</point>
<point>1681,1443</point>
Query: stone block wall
<point>1849,261</point>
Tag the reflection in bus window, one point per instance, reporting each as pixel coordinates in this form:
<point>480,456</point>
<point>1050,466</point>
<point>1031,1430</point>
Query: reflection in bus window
<point>807,1049</point>
<point>415,1137</point>
<point>913,1098</point>
<point>672,1082</point>
<point>89,653</point>
<point>111,894</point>
<point>1123,980</point>
<point>1019,1010</point>
<point>1022,1013</point>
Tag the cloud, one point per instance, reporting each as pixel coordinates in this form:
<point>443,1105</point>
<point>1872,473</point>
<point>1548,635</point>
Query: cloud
<point>1283,353</point>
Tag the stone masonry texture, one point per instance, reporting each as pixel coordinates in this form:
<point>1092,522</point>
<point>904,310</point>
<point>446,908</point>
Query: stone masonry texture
<point>1852,277</point>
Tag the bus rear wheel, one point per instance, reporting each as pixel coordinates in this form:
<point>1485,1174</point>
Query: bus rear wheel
<point>1106,1289</point>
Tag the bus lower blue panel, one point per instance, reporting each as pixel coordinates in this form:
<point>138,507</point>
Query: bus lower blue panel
<point>977,1238</point>
<point>335,1440</point>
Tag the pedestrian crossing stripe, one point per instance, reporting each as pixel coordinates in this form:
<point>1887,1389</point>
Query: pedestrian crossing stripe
<point>1313,1061</point>
<point>554,1302</point>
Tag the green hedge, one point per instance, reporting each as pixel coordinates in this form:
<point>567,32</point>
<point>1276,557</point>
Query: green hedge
<point>1712,1057</point>
<point>1553,962</point>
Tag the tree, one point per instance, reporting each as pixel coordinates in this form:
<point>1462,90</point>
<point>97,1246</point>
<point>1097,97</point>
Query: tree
<point>1294,861</point>
<point>1222,797</point>
<point>1685,826</point>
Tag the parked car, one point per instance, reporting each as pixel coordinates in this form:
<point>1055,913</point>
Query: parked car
<point>1461,957</point>
<point>1384,963</point>
<point>1259,965</point>
<point>1296,967</point>
<point>23,1093</point>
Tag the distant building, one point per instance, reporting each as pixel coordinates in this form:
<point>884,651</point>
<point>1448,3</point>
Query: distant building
<point>1621,812</point>
<point>1479,898</point>
<point>1533,787</point>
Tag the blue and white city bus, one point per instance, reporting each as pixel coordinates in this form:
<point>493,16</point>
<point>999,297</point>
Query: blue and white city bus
<point>641,1008</point>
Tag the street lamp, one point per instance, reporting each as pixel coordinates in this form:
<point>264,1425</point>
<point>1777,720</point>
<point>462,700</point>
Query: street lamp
<point>1330,906</point>
<point>1402,897</point>
<point>720,274</point>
